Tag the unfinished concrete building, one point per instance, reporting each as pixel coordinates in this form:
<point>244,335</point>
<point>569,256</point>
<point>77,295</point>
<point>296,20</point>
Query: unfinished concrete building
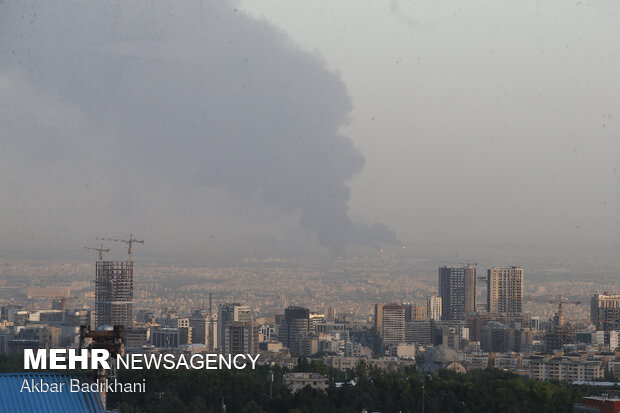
<point>114,293</point>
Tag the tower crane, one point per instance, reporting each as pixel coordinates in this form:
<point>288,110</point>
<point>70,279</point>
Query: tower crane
<point>469,264</point>
<point>129,243</point>
<point>100,249</point>
<point>559,302</point>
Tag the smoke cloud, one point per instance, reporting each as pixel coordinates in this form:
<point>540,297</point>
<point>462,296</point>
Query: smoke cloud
<point>168,98</point>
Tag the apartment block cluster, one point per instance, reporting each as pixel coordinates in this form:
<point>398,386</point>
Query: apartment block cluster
<point>454,331</point>
<point>450,330</point>
<point>228,329</point>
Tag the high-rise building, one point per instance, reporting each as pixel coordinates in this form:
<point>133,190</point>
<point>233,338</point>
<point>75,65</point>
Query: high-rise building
<point>204,330</point>
<point>605,311</point>
<point>433,307</point>
<point>294,326</point>
<point>379,318</point>
<point>391,325</point>
<point>500,338</point>
<point>418,332</point>
<point>457,289</point>
<point>114,293</point>
<point>230,313</point>
<point>414,312</point>
<point>505,291</point>
<point>240,338</point>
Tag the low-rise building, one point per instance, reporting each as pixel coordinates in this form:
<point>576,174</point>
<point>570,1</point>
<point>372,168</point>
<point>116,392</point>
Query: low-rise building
<point>341,363</point>
<point>297,381</point>
<point>564,368</point>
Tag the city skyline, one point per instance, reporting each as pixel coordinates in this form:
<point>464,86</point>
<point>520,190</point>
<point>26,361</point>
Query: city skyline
<point>349,206</point>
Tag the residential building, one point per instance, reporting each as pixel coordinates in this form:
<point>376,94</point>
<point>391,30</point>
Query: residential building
<point>230,313</point>
<point>240,338</point>
<point>457,289</point>
<point>297,381</point>
<point>505,291</point>
<point>564,369</point>
<point>605,311</point>
<point>433,307</point>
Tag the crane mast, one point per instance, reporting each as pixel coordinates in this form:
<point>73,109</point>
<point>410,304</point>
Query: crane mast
<point>100,249</point>
<point>129,243</point>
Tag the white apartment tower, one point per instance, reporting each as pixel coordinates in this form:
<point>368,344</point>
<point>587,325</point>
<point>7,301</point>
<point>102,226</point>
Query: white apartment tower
<point>433,307</point>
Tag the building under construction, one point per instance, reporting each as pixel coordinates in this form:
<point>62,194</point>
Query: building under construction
<point>114,293</point>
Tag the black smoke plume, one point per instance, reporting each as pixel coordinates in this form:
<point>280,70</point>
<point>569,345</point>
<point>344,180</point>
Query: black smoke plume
<point>192,92</point>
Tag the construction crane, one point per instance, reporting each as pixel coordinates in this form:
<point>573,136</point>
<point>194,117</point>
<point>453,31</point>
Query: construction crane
<point>559,302</point>
<point>129,243</point>
<point>100,249</point>
<point>469,264</point>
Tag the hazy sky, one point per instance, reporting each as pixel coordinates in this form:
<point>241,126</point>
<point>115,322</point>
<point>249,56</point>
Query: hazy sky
<point>263,125</point>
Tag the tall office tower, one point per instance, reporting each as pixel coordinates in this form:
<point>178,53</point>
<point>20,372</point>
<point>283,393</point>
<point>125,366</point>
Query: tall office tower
<point>392,323</point>
<point>379,318</point>
<point>457,288</point>
<point>240,338</point>
<point>296,324</point>
<point>414,312</point>
<point>200,327</point>
<point>230,313</point>
<point>505,291</point>
<point>114,293</point>
<point>605,311</point>
<point>433,307</point>
<point>204,331</point>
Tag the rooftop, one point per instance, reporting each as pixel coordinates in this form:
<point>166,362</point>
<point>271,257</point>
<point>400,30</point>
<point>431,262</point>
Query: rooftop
<point>13,399</point>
